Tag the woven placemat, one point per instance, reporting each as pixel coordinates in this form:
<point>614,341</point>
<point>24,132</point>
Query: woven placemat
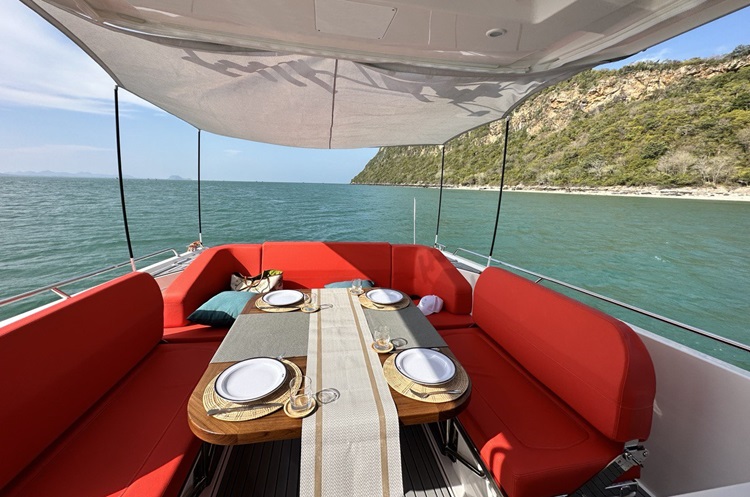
<point>263,306</point>
<point>212,400</point>
<point>369,304</point>
<point>403,385</point>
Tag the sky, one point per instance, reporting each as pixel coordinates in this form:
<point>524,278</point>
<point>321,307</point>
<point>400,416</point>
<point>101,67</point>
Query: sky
<point>57,113</point>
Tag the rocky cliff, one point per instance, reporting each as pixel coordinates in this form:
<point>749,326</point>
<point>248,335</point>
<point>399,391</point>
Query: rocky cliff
<point>652,123</point>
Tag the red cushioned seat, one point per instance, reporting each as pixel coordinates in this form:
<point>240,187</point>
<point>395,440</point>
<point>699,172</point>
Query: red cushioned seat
<point>87,344</point>
<point>315,264</point>
<point>534,444</point>
<point>419,270</point>
<point>135,441</point>
<point>195,333</point>
<point>99,406</point>
<point>557,387</point>
<point>445,320</point>
<point>206,276</point>
<point>595,363</point>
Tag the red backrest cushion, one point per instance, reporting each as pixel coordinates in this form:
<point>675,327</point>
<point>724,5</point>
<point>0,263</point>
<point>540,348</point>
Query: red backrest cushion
<point>592,361</point>
<point>314,264</point>
<point>59,361</point>
<point>420,270</point>
<point>206,276</point>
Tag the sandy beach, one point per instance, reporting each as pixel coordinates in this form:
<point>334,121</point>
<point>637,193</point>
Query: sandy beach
<point>741,194</point>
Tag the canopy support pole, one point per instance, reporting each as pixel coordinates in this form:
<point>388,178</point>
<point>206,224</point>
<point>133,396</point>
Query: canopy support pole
<point>502,182</point>
<point>200,225</point>
<point>440,198</point>
<point>119,175</point>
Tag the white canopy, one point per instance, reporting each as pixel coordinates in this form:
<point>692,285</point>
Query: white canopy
<point>345,74</point>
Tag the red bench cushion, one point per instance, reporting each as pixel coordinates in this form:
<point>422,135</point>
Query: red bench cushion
<point>206,276</point>
<point>195,333</point>
<point>445,320</point>
<point>420,271</point>
<point>136,441</point>
<point>534,445</point>
<point>65,357</point>
<point>314,264</point>
<point>593,362</point>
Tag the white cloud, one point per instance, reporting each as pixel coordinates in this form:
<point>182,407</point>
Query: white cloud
<point>722,49</point>
<point>232,152</point>
<point>43,69</point>
<point>40,99</point>
<point>651,56</point>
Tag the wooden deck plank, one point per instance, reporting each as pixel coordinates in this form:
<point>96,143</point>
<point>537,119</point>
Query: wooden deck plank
<point>264,468</point>
<point>274,462</point>
<point>427,462</point>
<point>424,466</point>
<point>294,469</point>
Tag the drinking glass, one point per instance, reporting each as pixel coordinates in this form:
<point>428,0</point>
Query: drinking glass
<point>300,394</point>
<point>382,336</point>
<point>311,304</point>
<point>356,286</point>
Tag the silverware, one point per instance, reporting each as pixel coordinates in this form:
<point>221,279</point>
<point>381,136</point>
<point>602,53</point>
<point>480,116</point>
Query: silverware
<point>224,410</point>
<point>424,395</point>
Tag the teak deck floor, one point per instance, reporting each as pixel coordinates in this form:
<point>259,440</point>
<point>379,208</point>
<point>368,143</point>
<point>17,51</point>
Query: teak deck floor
<point>271,469</point>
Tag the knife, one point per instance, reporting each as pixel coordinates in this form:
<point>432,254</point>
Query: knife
<point>224,410</point>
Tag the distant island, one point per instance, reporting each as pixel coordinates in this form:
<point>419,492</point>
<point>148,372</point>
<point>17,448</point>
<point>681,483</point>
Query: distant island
<point>82,174</point>
<point>61,174</point>
<point>650,125</point>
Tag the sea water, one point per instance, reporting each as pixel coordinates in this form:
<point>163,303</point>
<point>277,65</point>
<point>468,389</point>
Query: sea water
<point>684,259</point>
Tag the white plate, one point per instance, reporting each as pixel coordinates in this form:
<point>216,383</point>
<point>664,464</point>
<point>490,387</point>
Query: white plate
<point>283,297</point>
<point>384,296</point>
<point>251,379</point>
<point>425,366</point>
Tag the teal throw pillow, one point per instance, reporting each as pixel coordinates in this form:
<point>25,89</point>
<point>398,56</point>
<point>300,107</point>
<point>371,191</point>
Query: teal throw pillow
<point>222,309</point>
<point>348,284</point>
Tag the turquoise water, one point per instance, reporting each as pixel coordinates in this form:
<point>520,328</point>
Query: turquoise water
<point>684,259</point>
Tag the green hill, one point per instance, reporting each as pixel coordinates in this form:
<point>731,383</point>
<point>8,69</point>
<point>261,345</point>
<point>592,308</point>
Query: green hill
<point>668,124</point>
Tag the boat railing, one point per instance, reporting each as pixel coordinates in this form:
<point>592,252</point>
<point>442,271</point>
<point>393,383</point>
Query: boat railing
<point>540,278</point>
<point>55,287</point>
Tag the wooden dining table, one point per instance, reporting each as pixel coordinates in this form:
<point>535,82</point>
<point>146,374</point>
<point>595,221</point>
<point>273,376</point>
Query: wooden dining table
<point>279,426</point>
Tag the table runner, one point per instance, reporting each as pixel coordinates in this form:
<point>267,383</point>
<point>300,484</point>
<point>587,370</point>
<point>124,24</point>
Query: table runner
<point>349,447</point>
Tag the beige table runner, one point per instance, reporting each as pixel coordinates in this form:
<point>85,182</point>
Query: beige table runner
<point>351,446</point>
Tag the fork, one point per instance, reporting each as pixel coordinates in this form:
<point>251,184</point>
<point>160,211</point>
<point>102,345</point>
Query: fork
<point>424,395</point>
